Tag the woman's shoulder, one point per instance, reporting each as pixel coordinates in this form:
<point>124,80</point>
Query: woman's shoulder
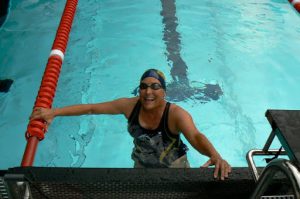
<point>178,114</point>
<point>128,104</point>
<point>175,109</point>
<point>129,100</point>
<point>126,100</point>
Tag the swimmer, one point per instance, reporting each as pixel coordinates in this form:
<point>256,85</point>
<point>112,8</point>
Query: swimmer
<point>154,124</point>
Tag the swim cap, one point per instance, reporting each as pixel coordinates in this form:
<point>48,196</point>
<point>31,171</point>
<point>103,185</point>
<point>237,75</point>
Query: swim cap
<point>155,74</point>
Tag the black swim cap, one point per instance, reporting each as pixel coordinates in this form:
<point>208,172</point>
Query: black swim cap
<point>155,74</point>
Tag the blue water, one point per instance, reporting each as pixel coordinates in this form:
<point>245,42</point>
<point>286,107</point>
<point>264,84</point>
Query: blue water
<point>248,52</point>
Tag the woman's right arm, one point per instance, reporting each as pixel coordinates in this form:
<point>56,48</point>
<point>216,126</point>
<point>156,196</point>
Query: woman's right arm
<point>119,106</point>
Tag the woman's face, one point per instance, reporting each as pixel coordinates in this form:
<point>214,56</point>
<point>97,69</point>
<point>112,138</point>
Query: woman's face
<point>152,94</point>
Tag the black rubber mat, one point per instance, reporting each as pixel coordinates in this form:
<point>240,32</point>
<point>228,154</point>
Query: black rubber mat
<point>127,183</point>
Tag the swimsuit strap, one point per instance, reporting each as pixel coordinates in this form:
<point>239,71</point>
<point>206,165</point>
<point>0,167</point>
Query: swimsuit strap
<point>164,122</point>
<point>134,113</point>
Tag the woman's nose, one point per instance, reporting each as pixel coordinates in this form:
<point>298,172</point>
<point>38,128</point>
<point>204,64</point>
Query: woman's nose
<point>148,90</point>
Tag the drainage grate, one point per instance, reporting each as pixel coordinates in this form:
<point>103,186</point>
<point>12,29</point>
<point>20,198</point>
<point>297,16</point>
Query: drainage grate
<point>278,197</point>
<point>3,191</point>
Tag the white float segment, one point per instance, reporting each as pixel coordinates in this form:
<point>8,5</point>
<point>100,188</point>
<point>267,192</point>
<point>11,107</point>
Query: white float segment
<point>57,52</point>
<point>294,2</point>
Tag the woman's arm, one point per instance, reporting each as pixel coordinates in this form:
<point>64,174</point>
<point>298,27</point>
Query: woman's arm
<point>184,123</point>
<point>119,106</point>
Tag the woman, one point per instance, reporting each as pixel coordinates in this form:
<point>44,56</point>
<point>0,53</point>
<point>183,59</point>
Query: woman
<point>155,125</point>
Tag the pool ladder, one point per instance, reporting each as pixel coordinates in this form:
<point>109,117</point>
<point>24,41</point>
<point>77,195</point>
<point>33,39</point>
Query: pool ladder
<point>274,167</point>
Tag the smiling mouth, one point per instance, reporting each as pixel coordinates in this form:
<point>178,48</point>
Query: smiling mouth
<point>149,99</point>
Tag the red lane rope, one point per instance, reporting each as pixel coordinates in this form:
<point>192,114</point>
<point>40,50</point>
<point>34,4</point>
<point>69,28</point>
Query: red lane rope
<point>296,4</point>
<point>36,129</point>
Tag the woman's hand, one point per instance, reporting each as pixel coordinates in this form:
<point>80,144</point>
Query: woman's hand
<point>43,113</point>
<point>221,166</point>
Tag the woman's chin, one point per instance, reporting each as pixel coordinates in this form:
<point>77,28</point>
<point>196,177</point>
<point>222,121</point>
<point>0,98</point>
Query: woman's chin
<point>148,105</point>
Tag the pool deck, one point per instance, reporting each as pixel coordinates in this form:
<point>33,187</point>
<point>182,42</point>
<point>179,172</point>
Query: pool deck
<point>131,183</point>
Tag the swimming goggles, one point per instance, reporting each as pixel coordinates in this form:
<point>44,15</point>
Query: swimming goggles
<point>154,86</point>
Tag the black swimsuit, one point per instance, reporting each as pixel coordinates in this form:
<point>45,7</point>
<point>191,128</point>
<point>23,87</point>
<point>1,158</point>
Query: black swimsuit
<point>154,148</point>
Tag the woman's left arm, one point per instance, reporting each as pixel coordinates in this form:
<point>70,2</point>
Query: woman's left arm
<point>184,123</point>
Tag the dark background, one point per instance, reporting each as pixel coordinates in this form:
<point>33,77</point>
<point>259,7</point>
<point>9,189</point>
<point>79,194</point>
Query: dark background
<point>3,10</point>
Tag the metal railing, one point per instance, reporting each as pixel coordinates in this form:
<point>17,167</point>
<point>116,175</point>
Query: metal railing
<point>278,165</point>
<point>260,152</point>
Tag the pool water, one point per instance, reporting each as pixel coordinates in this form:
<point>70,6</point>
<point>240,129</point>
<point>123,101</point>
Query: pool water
<point>226,62</point>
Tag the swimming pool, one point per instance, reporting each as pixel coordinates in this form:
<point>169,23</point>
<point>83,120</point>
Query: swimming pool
<point>225,62</point>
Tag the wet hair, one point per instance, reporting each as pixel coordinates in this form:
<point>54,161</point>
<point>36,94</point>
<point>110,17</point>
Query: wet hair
<point>155,74</point>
